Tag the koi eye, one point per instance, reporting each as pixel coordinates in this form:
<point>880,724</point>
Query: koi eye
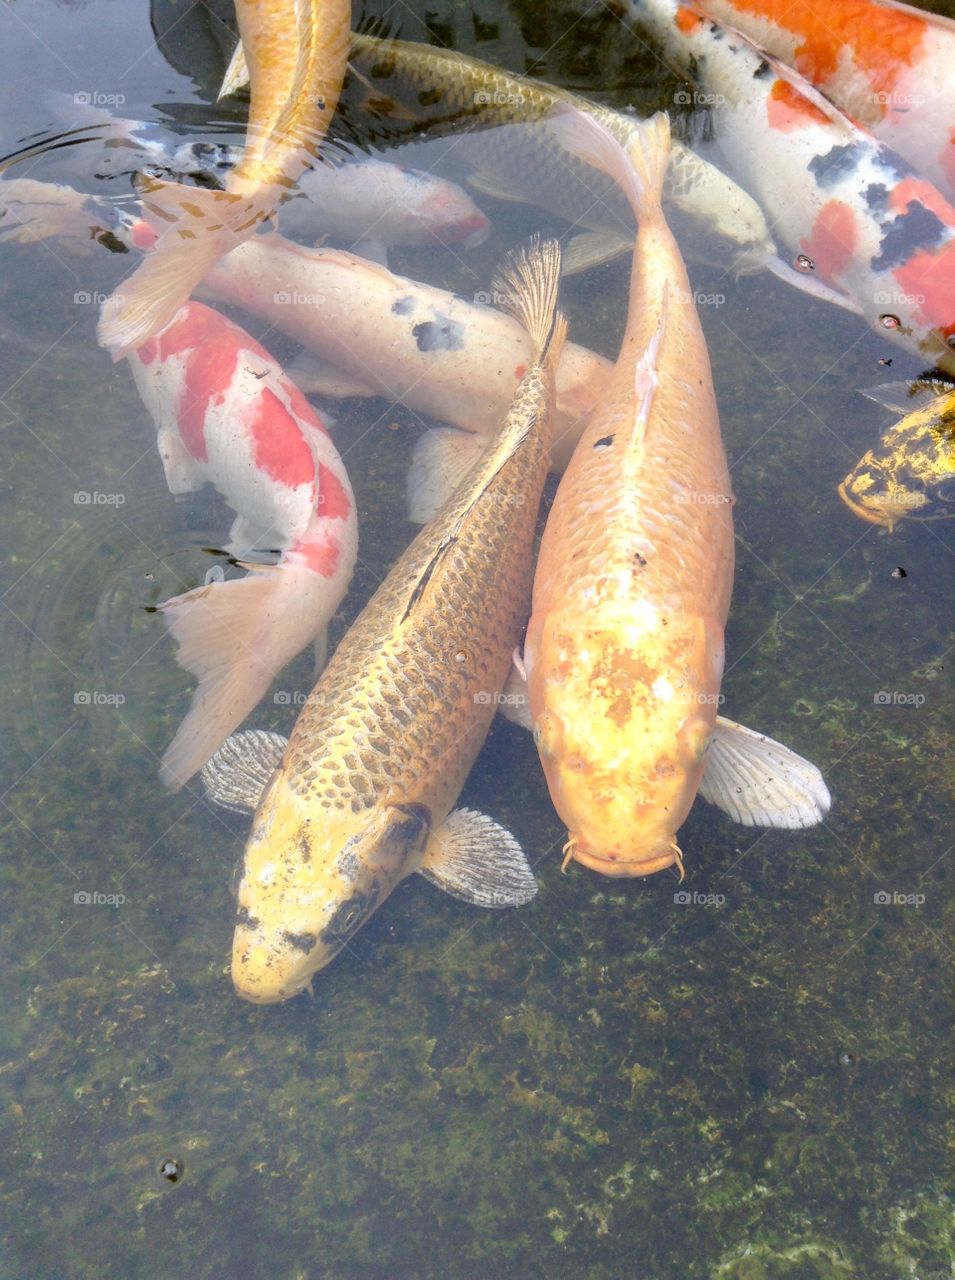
<point>803,263</point>
<point>890,322</point>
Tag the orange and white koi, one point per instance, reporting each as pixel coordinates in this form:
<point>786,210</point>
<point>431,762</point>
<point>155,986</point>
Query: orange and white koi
<point>842,202</point>
<point>227,415</point>
<point>887,65</point>
<point>624,649</point>
<point>296,55</point>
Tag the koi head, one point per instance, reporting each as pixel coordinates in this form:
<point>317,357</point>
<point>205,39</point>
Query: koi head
<point>621,724</point>
<point>312,874</point>
<point>911,472</point>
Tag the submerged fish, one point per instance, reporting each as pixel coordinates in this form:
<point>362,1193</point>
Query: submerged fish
<point>844,204</point>
<point>32,211</point>
<point>364,794</point>
<point>887,65</point>
<point>449,93</point>
<point>297,55</point>
<point>911,471</point>
<point>227,415</point>
<point>624,650</point>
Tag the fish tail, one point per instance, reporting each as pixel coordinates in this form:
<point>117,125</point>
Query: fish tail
<point>639,170</point>
<point>235,637</point>
<point>195,226</point>
<point>528,282</point>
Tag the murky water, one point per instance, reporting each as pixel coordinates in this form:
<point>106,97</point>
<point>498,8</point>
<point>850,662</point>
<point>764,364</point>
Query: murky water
<point>738,1077</point>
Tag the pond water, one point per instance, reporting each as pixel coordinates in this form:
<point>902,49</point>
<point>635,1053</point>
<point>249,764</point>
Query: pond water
<point>740,1077</point>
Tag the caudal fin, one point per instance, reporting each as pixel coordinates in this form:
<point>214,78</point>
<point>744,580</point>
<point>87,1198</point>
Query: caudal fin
<point>235,637</point>
<point>195,227</point>
<point>527,282</point>
<point>639,170</point>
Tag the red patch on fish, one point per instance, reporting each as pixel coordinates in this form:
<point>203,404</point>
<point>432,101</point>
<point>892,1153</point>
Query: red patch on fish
<point>321,555</point>
<point>931,277</point>
<point>334,501</point>
<point>520,370</point>
<point>787,108</point>
<point>211,346</point>
<point>281,450</point>
<point>832,242</point>
<point>883,41</point>
<point>917,190</point>
<point>302,408</point>
<point>687,20</point>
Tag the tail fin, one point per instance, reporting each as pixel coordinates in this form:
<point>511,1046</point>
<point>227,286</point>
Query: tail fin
<point>639,171</point>
<point>196,227</point>
<point>528,281</point>
<point>235,637</point>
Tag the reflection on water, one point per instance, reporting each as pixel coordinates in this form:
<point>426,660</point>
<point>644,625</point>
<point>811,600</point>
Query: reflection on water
<point>736,1077</point>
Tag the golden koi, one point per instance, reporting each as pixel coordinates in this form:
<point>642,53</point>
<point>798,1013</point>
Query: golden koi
<point>296,57</point>
<point>364,793</point>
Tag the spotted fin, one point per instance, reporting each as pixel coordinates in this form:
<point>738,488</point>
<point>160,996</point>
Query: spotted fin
<point>477,861</point>
<point>761,783</point>
<point>242,768</point>
<point>440,461</point>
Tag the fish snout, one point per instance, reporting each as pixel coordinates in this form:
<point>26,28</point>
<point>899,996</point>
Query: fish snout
<point>643,863</point>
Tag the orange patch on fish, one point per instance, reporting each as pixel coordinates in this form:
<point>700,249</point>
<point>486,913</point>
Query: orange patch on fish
<point>913,189</point>
<point>787,108</point>
<point>832,242</point>
<point>321,556</point>
<point>882,49</point>
<point>333,500</point>
<point>687,20</point>
<point>931,278</point>
<point>520,370</point>
<point>281,450</point>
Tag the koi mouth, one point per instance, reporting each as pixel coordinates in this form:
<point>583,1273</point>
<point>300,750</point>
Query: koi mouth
<point>864,513</point>
<point>667,857</point>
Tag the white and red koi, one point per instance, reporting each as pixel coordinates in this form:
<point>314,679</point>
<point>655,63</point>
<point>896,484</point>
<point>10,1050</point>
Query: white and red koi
<point>842,202</point>
<point>887,65</point>
<point>228,415</point>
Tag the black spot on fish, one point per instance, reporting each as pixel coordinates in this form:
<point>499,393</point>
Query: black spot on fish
<point>604,442</point>
<point>402,306</point>
<point>412,827</point>
<point>836,164</point>
<point>877,196</point>
<point>440,334</point>
<point>716,32</point>
<point>108,240</point>
<point>641,560</point>
<point>428,97</point>
<point>917,228</point>
<point>761,70</point>
<point>245,919</point>
<point>300,941</point>
<point>304,848</point>
<point>353,912</point>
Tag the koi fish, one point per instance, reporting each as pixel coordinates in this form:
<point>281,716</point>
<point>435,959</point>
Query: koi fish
<point>364,792</point>
<point>911,471</point>
<point>227,415</point>
<point>31,211</point>
<point>845,206</point>
<point>297,55</point>
<point>886,65</point>
<point>624,649</point>
<point>374,333</point>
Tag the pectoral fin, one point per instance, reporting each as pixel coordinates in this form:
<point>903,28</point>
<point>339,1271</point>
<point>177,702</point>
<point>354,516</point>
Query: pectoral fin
<point>514,704</point>
<point>315,377</point>
<point>487,184</point>
<point>759,782</point>
<point>440,461</point>
<point>905,397</point>
<point>477,861</point>
<point>592,249</point>
<point>238,773</point>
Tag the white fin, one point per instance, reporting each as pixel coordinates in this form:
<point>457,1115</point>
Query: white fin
<point>592,249</point>
<point>810,284</point>
<point>906,397</point>
<point>440,461</point>
<point>235,637</point>
<point>477,861</point>
<point>315,377</point>
<point>515,704</point>
<point>237,775</point>
<point>639,170</point>
<point>236,75</point>
<point>759,782</point>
